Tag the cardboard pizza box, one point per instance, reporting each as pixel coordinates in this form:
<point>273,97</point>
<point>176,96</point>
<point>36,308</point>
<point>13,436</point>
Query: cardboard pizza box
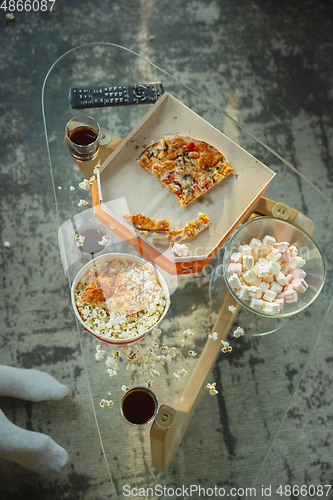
<point>124,185</point>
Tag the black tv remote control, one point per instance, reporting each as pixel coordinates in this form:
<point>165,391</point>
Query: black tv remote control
<point>96,97</point>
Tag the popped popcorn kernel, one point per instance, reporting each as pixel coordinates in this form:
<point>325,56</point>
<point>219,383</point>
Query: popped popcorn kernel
<point>181,342</point>
<point>112,372</point>
<point>172,352</point>
<point>7,244</point>
<point>60,188</point>
<point>188,333</point>
<point>211,388</point>
<point>92,180</point>
<point>79,240</point>
<point>96,169</point>
<point>181,373</point>
<point>72,188</point>
<point>155,373</point>
<point>84,184</point>
<point>164,348</point>
<point>124,388</point>
<point>238,332</point>
<point>103,241</point>
<point>99,353</point>
<point>82,203</point>
<point>155,332</point>
<point>226,347</point>
<point>213,336</point>
<point>192,353</point>
<point>232,309</point>
<point>106,402</point>
<point>131,367</point>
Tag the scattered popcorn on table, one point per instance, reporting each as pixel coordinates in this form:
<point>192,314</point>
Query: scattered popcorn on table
<point>112,372</point>
<point>95,169</point>
<point>103,241</point>
<point>79,240</point>
<point>181,342</point>
<point>7,244</point>
<point>232,309</point>
<point>155,373</point>
<point>213,336</point>
<point>124,388</point>
<point>192,353</point>
<point>99,353</point>
<point>84,184</point>
<point>226,347</point>
<point>72,188</point>
<point>181,373</point>
<point>82,203</point>
<point>268,274</point>
<point>60,188</point>
<point>188,334</point>
<point>131,367</point>
<point>92,180</point>
<point>106,402</point>
<point>238,332</point>
<point>155,332</point>
<point>180,250</point>
<point>211,388</point>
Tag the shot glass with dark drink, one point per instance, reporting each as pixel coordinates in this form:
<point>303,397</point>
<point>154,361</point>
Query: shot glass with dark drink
<point>82,137</point>
<point>139,406</point>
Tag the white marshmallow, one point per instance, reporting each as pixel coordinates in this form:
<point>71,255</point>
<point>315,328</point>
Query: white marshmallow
<point>245,249</point>
<point>242,293</point>
<point>249,275</point>
<point>274,267</point>
<point>290,296</point>
<point>248,261</point>
<point>264,286</point>
<point>236,257</point>
<point>256,282</point>
<point>269,295</point>
<point>281,279</point>
<point>234,281</point>
<point>262,261</point>
<point>300,285</point>
<point>271,308</point>
<point>275,287</point>
<point>255,292</point>
<point>274,255</point>
<point>296,262</point>
<point>269,240</point>
<point>263,270</point>
<point>255,243</point>
<point>298,273</point>
<point>256,304</point>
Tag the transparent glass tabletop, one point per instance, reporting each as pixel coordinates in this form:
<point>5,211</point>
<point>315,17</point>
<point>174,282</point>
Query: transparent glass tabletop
<point>230,433</point>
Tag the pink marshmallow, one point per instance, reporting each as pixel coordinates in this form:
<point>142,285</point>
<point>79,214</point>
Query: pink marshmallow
<point>286,257</point>
<point>282,246</point>
<point>235,268</point>
<point>298,273</point>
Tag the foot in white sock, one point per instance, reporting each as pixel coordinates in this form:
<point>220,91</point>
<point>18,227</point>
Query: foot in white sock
<point>35,451</point>
<point>29,384</point>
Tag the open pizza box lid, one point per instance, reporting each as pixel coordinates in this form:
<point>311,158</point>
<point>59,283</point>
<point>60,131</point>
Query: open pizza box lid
<point>123,185</point>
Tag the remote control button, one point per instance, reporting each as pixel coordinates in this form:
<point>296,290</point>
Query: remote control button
<point>106,94</point>
<point>106,101</point>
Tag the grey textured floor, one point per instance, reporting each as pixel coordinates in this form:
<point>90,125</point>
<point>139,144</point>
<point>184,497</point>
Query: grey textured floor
<point>269,64</point>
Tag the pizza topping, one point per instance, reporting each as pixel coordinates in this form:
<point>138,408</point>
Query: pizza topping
<point>175,160</point>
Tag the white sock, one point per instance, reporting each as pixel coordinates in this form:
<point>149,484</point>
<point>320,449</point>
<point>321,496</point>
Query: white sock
<point>29,384</point>
<point>33,450</point>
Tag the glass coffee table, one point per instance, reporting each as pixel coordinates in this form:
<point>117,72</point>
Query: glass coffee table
<point>226,437</point>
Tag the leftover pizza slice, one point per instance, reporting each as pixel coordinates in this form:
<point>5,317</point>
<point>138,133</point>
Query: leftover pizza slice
<point>187,167</point>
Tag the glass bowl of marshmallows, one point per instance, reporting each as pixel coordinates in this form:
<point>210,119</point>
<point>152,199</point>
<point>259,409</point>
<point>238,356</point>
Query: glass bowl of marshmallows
<point>273,268</point>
